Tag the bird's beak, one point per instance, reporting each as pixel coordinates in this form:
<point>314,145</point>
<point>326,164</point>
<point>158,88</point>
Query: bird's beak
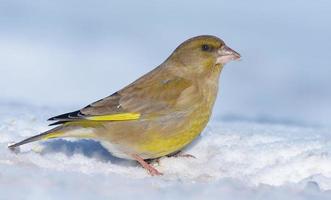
<point>226,54</point>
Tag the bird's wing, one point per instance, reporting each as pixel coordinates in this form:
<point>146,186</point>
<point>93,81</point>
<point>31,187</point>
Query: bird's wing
<point>146,96</point>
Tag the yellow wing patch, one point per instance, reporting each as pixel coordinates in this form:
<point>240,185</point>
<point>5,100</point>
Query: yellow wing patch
<point>115,117</point>
<point>52,135</point>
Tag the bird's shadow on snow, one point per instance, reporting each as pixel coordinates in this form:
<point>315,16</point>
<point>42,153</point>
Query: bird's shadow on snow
<point>93,149</point>
<point>88,148</point>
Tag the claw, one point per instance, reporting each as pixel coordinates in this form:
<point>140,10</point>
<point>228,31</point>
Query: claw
<point>183,155</point>
<point>186,156</point>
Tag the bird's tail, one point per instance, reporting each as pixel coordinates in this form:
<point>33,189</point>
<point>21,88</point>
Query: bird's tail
<point>53,133</point>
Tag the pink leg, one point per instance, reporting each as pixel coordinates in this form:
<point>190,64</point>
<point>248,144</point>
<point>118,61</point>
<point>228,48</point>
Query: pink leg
<point>150,168</point>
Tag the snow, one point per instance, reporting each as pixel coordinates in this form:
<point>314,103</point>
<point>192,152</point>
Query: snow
<point>234,160</point>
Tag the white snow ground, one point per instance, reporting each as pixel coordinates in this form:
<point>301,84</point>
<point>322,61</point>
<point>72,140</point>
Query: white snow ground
<point>234,160</point>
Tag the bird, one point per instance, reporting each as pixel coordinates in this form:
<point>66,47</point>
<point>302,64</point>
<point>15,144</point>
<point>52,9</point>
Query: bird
<point>158,114</point>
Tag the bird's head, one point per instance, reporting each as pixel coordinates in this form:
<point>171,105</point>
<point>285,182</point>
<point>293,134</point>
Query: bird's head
<point>202,54</point>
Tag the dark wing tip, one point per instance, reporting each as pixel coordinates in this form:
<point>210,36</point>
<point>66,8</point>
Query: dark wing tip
<point>57,123</point>
<point>66,116</point>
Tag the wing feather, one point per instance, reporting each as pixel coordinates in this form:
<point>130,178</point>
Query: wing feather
<point>149,94</point>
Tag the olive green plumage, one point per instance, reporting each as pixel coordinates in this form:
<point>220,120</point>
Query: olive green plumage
<point>158,114</point>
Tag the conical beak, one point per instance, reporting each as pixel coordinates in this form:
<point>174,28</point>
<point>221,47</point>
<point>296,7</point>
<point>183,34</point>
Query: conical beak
<point>226,54</point>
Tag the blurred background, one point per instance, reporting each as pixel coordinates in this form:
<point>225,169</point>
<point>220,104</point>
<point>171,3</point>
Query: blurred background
<point>66,54</point>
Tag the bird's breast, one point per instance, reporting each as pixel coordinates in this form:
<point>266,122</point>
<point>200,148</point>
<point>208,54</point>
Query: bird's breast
<point>159,135</point>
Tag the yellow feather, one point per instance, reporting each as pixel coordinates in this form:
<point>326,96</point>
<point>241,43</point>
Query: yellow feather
<point>52,135</point>
<point>115,117</point>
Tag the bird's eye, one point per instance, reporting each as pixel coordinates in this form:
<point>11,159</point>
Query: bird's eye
<point>206,47</point>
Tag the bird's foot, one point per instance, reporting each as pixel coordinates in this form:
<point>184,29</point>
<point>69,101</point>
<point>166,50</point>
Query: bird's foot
<point>183,155</point>
<point>152,171</point>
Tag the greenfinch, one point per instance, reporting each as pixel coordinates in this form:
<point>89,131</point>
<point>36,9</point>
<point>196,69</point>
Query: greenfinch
<point>158,114</point>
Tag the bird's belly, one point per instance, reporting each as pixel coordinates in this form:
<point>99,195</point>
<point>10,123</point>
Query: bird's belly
<point>167,143</point>
<point>116,150</point>
<point>152,139</point>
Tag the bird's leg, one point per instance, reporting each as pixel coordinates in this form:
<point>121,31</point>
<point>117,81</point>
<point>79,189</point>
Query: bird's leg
<point>181,154</point>
<point>148,167</point>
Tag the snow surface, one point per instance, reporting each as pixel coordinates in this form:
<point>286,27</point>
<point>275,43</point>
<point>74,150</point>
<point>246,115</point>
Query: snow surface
<point>234,160</point>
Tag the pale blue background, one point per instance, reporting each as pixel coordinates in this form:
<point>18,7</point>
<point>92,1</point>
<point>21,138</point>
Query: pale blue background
<point>65,54</point>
